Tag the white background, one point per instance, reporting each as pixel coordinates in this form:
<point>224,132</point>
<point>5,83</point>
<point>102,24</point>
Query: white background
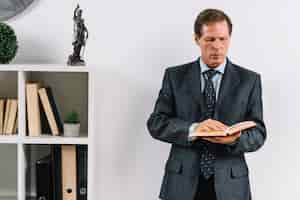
<point>132,42</point>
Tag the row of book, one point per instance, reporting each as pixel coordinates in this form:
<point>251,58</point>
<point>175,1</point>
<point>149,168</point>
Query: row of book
<point>42,112</point>
<point>62,175</point>
<point>8,116</point>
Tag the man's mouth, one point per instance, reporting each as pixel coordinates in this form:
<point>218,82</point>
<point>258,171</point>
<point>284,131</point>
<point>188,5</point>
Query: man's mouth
<point>215,56</point>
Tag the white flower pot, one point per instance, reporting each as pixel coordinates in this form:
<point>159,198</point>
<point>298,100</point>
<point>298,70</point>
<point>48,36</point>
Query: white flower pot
<point>71,130</point>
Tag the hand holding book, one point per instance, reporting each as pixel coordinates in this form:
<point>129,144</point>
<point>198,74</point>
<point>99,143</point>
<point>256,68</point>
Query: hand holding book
<point>216,132</point>
<point>224,130</point>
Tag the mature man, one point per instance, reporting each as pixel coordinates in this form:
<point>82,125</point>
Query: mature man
<point>210,93</point>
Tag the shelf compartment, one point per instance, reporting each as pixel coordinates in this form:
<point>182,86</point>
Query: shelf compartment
<point>8,171</point>
<point>53,166</point>
<point>70,92</point>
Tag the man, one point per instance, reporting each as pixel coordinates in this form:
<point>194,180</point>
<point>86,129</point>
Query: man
<point>210,93</point>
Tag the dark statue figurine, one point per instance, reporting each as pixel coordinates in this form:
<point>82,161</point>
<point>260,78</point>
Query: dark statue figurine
<point>80,37</point>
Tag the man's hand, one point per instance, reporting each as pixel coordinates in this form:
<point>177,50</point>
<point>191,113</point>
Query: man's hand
<point>210,125</point>
<point>213,125</point>
<point>224,139</point>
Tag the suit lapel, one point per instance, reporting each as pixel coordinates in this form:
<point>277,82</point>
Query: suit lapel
<point>228,85</point>
<point>194,86</point>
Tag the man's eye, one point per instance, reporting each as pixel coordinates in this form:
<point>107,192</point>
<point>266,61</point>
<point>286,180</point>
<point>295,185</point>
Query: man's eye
<point>210,39</point>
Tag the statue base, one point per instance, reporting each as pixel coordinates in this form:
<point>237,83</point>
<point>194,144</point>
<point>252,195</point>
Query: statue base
<point>75,61</point>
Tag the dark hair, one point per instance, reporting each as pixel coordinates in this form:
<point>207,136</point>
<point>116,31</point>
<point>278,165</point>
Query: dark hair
<point>210,16</point>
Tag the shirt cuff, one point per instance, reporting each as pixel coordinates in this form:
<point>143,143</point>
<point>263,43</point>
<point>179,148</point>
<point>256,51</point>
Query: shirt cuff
<point>191,136</point>
<point>235,142</point>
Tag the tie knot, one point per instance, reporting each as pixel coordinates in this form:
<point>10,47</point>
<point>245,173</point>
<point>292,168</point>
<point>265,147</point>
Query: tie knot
<point>210,73</point>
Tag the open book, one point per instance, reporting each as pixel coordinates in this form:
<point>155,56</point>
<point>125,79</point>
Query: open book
<point>229,131</point>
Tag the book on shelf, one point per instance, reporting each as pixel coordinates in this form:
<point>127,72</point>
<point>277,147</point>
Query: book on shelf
<point>51,111</point>
<point>11,121</point>
<point>44,121</point>
<point>16,125</point>
<point>8,116</point>
<point>33,109</point>
<point>7,109</point>
<point>2,103</point>
<point>229,131</point>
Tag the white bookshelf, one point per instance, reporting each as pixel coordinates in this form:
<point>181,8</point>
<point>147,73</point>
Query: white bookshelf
<point>72,88</point>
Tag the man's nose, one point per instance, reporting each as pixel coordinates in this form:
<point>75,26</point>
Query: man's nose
<point>217,44</point>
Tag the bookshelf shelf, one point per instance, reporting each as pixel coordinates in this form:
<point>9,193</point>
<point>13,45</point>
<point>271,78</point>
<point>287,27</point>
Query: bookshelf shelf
<point>55,140</point>
<point>10,139</point>
<point>72,89</point>
<point>45,68</point>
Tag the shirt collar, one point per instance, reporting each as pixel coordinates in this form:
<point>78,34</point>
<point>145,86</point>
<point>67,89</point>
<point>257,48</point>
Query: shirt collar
<point>220,68</point>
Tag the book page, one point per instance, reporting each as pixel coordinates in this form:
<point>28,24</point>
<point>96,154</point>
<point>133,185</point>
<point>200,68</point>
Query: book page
<point>240,126</point>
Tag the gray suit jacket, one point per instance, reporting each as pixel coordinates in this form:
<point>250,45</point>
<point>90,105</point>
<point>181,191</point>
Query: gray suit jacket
<point>180,103</point>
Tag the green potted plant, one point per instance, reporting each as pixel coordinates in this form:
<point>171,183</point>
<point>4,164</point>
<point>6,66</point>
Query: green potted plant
<point>72,124</point>
<point>8,43</point>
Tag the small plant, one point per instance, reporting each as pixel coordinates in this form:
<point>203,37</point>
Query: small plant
<point>8,43</point>
<point>72,118</point>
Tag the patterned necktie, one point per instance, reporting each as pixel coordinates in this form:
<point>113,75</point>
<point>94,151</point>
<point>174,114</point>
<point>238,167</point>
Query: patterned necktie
<point>209,92</point>
<point>207,156</point>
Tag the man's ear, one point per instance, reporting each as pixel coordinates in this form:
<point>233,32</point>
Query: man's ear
<point>197,39</point>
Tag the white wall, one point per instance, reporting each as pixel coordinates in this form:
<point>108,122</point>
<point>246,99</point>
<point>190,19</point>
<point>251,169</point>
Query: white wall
<point>131,44</point>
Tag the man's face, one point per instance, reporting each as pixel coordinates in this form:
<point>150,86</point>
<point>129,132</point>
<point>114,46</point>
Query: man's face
<point>214,43</point>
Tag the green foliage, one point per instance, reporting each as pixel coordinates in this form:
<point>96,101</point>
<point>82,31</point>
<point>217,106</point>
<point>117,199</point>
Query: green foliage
<point>72,118</point>
<point>8,43</point>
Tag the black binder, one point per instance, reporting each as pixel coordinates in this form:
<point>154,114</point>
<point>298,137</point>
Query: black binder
<point>81,159</point>
<point>56,171</point>
<point>44,181</point>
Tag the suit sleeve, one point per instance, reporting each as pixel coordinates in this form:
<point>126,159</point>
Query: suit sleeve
<point>163,123</point>
<point>252,139</point>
